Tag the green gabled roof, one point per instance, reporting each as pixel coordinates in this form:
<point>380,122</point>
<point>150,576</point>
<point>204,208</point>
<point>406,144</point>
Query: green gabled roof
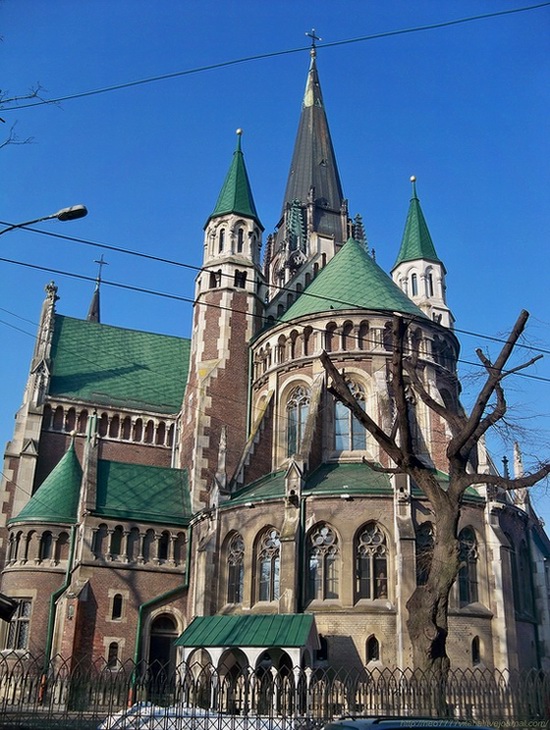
<point>236,193</point>
<point>56,499</point>
<point>416,242</point>
<point>280,630</point>
<point>142,493</point>
<point>351,280</point>
<point>119,367</point>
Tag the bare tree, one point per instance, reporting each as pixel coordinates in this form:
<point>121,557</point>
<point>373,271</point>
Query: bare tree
<point>9,103</point>
<point>428,605</point>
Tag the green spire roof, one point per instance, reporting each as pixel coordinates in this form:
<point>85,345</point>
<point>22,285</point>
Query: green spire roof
<point>417,242</point>
<point>351,280</point>
<point>56,500</point>
<point>236,194</point>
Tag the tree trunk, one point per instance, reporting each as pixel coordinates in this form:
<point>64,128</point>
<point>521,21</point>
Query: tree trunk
<point>427,622</point>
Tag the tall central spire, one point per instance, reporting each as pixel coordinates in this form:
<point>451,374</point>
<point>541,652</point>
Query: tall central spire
<point>314,220</point>
<point>313,170</point>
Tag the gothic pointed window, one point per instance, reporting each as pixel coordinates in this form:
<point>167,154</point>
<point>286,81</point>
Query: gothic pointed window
<point>235,569</point>
<point>467,574</point>
<point>371,555</point>
<point>221,240</point>
<point>324,563</point>
<point>349,433</point>
<point>240,240</point>
<point>414,285</point>
<point>373,649</point>
<point>297,411</point>
<point>269,557</point>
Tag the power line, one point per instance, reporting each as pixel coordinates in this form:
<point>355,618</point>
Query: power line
<point>274,54</point>
<point>198,269</point>
<point>262,317</point>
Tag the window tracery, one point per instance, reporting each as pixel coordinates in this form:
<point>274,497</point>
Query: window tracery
<point>323,560</point>
<point>371,563</point>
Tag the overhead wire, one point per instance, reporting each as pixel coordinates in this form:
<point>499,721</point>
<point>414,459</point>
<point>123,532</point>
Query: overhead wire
<point>274,54</point>
<point>262,317</point>
<point>199,269</point>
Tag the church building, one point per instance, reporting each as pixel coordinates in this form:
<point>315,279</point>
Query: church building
<point>208,499</point>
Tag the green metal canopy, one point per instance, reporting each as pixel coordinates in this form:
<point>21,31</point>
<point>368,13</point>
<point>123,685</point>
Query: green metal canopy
<point>280,630</point>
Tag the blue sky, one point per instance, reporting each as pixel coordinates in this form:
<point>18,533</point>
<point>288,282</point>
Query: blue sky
<point>465,108</point>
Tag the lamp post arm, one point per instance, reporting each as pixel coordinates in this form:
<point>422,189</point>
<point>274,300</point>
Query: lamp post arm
<point>65,214</point>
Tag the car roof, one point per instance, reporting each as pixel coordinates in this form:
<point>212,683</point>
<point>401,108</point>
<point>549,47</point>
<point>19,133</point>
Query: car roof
<point>388,723</point>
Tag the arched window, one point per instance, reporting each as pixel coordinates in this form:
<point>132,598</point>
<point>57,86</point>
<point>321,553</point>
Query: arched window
<point>322,653</point>
<point>116,611</point>
<point>371,553</point>
<point>114,427</point>
<point>240,279</point>
<point>240,240</point>
<point>221,240</point>
<point>424,552</point>
<point>349,433</point>
<point>414,285</point>
<point>430,285</point>
<point>46,544</point>
<point>467,574</point>
<point>476,651</point>
<point>116,542</point>
<point>330,337</point>
<point>323,561</point>
<point>297,411</point>
<point>373,649</point>
<point>62,547</point>
<point>163,546</point>
<point>112,655</point>
<point>149,432</point>
<point>269,557</point>
<point>235,569</point>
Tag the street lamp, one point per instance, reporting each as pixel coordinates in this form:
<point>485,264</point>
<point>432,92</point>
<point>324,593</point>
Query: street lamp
<point>65,214</point>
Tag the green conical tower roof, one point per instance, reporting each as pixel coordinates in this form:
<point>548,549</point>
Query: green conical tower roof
<point>236,194</point>
<point>417,242</point>
<point>56,500</point>
<point>351,280</point>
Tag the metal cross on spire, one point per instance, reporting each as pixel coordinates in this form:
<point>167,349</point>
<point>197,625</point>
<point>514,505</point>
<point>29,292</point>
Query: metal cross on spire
<point>314,37</point>
<point>101,261</point>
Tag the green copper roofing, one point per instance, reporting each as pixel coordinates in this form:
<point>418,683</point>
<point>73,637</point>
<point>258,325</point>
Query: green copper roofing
<point>416,242</point>
<point>280,630</point>
<point>119,367</point>
<point>236,194</point>
<point>142,493</point>
<point>351,280</point>
<point>334,478</point>
<point>56,499</point>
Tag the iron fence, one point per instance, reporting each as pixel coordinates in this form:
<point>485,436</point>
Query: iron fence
<point>196,697</point>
